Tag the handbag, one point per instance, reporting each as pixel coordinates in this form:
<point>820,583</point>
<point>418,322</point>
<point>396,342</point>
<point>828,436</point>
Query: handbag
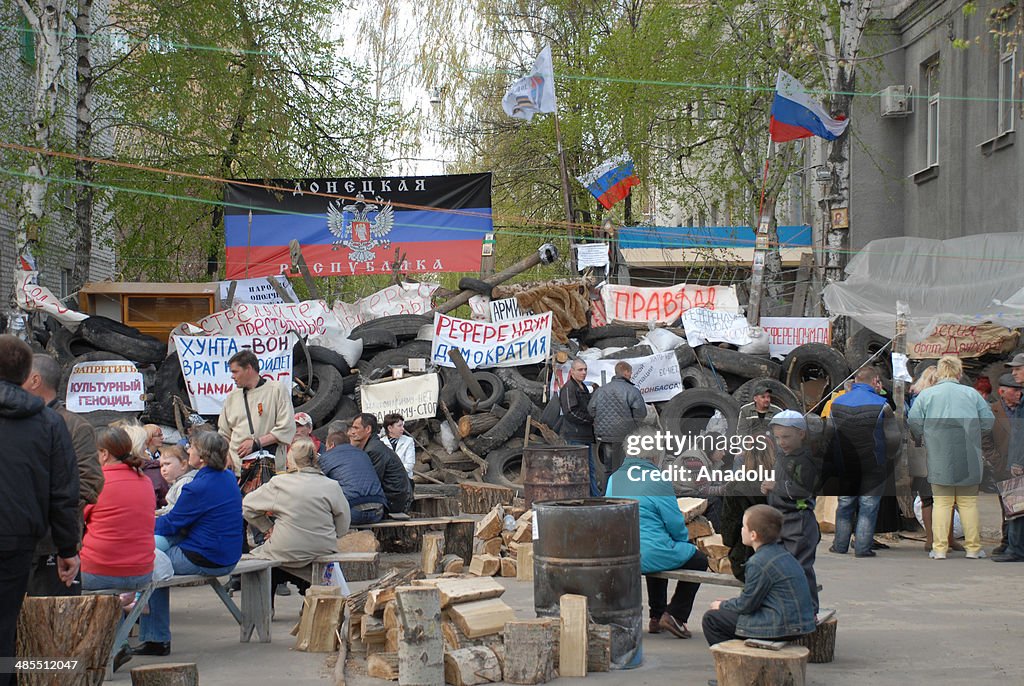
<point>259,467</point>
<point>1011,495</point>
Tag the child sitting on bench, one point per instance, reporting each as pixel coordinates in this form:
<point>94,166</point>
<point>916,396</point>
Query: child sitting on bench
<point>775,603</point>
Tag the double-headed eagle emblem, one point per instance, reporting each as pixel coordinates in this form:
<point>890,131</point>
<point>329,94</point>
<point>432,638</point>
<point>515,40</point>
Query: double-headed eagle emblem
<point>353,228</point>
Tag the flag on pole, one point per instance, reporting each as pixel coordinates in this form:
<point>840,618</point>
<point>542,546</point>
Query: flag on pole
<point>796,115</point>
<point>533,93</point>
<point>611,180</point>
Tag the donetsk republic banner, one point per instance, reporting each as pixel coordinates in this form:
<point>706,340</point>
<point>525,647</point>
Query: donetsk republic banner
<point>352,226</point>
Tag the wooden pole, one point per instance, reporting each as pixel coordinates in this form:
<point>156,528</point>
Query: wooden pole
<point>487,256</point>
<point>298,260</point>
<point>566,194</point>
<point>903,480</point>
<point>760,247</point>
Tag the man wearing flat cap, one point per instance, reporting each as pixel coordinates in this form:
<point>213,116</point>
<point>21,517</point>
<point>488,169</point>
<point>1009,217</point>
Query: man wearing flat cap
<point>995,445</point>
<point>756,415</point>
<point>1011,548</point>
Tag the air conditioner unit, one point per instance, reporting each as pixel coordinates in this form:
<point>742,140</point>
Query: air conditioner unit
<point>897,101</point>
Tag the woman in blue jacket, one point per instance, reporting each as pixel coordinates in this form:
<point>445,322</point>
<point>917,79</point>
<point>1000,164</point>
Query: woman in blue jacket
<point>664,540</point>
<point>202,534</point>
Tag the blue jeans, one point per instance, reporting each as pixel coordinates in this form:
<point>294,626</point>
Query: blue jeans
<point>868,513</point>
<point>99,582</point>
<point>595,492</point>
<point>156,626</point>
<point>1015,537</point>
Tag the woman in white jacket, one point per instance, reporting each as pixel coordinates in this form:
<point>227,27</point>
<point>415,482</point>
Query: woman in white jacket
<point>400,442</point>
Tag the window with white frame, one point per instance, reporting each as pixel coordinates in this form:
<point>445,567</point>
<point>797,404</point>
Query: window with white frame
<point>1007,78</point>
<point>931,83</point>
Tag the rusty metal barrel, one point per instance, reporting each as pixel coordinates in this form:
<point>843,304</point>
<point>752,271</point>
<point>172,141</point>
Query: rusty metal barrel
<point>557,472</point>
<point>591,547</point>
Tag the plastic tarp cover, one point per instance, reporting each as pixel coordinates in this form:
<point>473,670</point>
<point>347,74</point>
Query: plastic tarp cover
<point>965,280</point>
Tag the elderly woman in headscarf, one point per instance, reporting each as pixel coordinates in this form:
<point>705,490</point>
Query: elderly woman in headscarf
<point>301,513</point>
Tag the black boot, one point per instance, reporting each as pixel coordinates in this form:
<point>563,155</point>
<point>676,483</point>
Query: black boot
<point>153,648</point>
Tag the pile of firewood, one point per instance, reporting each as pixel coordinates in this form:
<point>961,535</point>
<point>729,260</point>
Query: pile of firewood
<point>702,534</point>
<point>497,548</point>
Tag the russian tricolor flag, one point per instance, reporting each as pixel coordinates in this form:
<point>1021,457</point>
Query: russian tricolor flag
<point>796,115</point>
<point>611,180</point>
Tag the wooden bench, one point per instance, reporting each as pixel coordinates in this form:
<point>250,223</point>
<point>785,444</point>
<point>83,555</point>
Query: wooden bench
<point>254,615</point>
<point>693,576</point>
<point>407,536</point>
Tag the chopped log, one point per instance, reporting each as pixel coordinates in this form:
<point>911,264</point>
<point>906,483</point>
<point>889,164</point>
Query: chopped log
<point>481,498</point>
<point>168,674</point>
<point>712,546</point>
<point>436,506</point>
<point>377,598</point>
<point>465,590</point>
<point>512,550</point>
<point>390,616</point>
<point>318,633</point>
<point>420,648</point>
<point>572,643</point>
<point>455,639</point>
<point>699,527</point>
<point>692,507</point>
<point>493,546</point>
<point>358,542</point>
<point>395,577</point>
<point>599,647</point>
<point>724,566</point>
<point>432,552</point>
<point>821,643</point>
<point>458,539</point>
<point>490,525</point>
<point>82,626</point>
<point>372,629</point>
<point>530,651</point>
<point>383,666</point>
<point>524,530</point>
<point>476,424</point>
<point>506,537</point>
<point>739,665</point>
<point>508,567</point>
<point>451,564</point>
<point>481,617</point>
<point>524,562</point>
<point>471,666</point>
<point>485,565</point>
<point>394,638</point>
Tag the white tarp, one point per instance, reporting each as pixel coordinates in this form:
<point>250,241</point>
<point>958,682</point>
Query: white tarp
<point>965,280</point>
<point>30,296</point>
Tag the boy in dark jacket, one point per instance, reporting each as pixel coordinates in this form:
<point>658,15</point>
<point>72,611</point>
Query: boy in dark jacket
<point>792,492</point>
<point>775,603</point>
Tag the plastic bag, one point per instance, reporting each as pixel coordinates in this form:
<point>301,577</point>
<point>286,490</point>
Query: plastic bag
<point>662,340</point>
<point>958,530</point>
<point>448,439</point>
<point>333,576</point>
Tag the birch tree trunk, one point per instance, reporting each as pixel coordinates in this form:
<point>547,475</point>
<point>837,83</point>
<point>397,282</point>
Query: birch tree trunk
<point>85,196</point>
<point>48,22</point>
<point>840,73</point>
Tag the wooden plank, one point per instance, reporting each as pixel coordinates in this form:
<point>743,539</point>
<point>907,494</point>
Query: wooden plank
<point>599,648</point>
<point>432,551</point>
<point>391,616</point>
<point>321,630</point>
<point>692,507</point>
<point>421,647</point>
<point>490,525</point>
<point>524,562</point>
<point>711,578</point>
<point>455,591</point>
<point>572,644</point>
<point>481,617</point>
<point>803,282</point>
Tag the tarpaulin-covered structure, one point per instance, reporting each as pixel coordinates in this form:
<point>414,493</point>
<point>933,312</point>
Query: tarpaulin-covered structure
<point>965,280</point>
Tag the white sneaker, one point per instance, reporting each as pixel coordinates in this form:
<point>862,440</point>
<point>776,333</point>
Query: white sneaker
<point>937,556</point>
<point>980,555</point>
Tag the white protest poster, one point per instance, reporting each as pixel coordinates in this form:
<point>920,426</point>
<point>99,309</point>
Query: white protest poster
<point>786,333</point>
<point>591,255</point>
<point>507,309</point>
<point>204,365</point>
<point>257,290</point>
<point>899,368</point>
<point>309,318</point>
<point>106,386</point>
<point>664,305</point>
<point>413,397</point>
<point>403,298</point>
<point>710,326</point>
<point>657,376</point>
<point>484,344</point>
